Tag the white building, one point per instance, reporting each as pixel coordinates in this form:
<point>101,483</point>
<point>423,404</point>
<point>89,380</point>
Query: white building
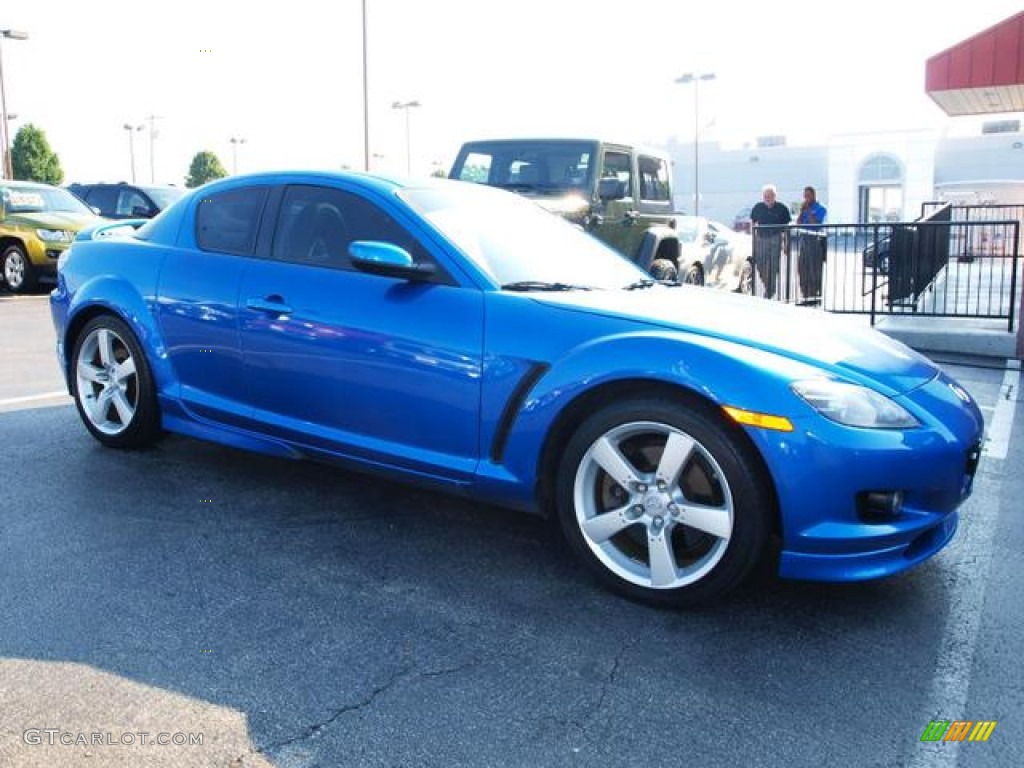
<point>883,176</point>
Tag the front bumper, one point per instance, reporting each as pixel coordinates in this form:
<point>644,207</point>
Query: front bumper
<point>822,468</point>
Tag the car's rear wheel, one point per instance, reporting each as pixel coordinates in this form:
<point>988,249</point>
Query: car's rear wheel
<point>746,283</point>
<point>694,275</point>
<point>661,502</point>
<point>113,386</point>
<point>18,272</point>
<point>663,269</point>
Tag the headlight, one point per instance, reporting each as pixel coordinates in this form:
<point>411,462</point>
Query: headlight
<point>53,235</point>
<point>853,405</point>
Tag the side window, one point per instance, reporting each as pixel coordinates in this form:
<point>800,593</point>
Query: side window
<point>227,222</point>
<point>653,179</point>
<point>128,200</point>
<point>477,167</point>
<point>617,166</point>
<point>104,198</point>
<point>316,225</point>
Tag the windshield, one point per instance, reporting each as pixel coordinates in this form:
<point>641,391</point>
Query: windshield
<point>514,240</point>
<point>163,196</point>
<point>540,166</point>
<point>39,199</point>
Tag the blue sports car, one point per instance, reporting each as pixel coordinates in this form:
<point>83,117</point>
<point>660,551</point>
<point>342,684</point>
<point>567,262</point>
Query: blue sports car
<point>452,334</point>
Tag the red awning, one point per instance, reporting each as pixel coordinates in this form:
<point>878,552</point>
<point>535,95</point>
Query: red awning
<point>982,75</point>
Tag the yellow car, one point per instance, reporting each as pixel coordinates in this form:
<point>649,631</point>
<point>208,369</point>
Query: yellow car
<point>37,224</point>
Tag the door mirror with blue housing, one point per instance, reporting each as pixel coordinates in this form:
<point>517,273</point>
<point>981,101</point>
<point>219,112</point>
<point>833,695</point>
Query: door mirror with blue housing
<point>387,260</point>
<point>611,189</point>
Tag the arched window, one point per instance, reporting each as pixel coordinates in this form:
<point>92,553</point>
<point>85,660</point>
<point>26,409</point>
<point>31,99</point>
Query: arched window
<point>881,189</point>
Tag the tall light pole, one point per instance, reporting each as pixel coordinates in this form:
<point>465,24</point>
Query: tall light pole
<point>366,101</point>
<point>691,77</point>
<point>407,105</point>
<point>152,146</point>
<point>235,141</point>
<point>131,129</point>
<point>8,169</point>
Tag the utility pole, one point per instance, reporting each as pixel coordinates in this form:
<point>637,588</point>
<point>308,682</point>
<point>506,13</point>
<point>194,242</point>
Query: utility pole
<point>152,145</point>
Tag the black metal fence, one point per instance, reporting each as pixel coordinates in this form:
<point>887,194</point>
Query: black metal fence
<point>946,264</point>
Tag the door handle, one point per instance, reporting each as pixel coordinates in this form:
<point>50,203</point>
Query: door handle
<point>272,305</point>
<point>632,216</point>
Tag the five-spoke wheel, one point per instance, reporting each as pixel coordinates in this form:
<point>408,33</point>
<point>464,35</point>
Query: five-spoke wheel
<point>113,386</point>
<point>662,501</point>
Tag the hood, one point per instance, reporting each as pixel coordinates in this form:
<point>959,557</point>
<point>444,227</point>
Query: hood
<point>570,205</point>
<point>67,220</point>
<point>823,340</point>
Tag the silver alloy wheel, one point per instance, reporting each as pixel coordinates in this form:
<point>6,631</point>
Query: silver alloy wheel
<point>653,505</point>
<point>14,269</point>
<point>107,383</point>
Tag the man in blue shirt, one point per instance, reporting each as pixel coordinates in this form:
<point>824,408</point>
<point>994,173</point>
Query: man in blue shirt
<point>811,247</point>
<point>811,212</point>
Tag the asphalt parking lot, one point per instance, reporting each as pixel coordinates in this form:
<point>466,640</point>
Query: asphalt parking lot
<point>298,615</point>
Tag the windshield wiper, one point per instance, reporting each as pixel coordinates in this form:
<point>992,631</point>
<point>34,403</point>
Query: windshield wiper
<point>540,285</point>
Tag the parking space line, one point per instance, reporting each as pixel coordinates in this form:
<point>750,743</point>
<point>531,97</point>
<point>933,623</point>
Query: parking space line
<point>998,442</point>
<point>947,698</point>
<point>33,398</point>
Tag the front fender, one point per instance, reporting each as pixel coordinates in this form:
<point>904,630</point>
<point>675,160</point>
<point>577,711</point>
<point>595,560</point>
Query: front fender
<point>720,372</point>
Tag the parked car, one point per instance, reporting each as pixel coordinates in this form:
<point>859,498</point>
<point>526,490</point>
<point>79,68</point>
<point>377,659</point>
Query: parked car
<point>460,336</point>
<point>713,255</point>
<point>127,201</point>
<point>37,223</point>
<point>621,194</point>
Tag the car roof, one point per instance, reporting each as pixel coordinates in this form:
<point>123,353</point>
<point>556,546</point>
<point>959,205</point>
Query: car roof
<point>381,183</point>
<point>28,184</point>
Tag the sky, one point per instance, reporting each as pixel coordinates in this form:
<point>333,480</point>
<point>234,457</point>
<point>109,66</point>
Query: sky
<point>287,77</point>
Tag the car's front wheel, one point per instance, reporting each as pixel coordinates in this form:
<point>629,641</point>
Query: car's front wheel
<point>18,272</point>
<point>663,269</point>
<point>694,275</point>
<point>662,502</point>
<point>746,281</point>
<point>113,386</point>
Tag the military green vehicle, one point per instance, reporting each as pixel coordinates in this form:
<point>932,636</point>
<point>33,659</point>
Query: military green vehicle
<point>620,194</point>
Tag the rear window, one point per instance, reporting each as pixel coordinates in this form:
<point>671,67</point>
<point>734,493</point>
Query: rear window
<point>227,222</point>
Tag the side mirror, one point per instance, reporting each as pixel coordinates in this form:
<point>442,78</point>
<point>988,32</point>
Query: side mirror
<point>611,189</point>
<point>387,260</point>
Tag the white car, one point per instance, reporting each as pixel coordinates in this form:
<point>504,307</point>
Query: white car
<point>711,254</point>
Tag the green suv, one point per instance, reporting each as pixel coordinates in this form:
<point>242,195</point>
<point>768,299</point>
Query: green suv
<point>37,224</point>
<point>620,194</point>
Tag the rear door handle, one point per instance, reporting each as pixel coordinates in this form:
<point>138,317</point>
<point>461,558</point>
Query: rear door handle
<point>272,305</point>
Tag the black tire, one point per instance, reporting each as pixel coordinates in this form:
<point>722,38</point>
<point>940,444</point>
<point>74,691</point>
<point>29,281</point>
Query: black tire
<point>731,483</point>
<point>17,270</point>
<point>746,283</point>
<point>694,276</point>
<point>663,269</point>
<point>134,392</point>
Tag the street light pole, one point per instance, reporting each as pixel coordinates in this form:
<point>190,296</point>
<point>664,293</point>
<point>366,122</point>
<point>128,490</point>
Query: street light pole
<point>366,101</point>
<point>152,146</point>
<point>691,77</point>
<point>5,128</point>
<point>407,105</point>
<point>235,141</point>
<point>131,129</point>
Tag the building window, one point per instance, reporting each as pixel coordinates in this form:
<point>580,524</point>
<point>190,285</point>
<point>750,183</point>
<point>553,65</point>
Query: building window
<point>881,189</point>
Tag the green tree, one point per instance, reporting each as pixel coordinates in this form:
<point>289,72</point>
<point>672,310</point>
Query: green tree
<point>32,159</point>
<point>205,167</point>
